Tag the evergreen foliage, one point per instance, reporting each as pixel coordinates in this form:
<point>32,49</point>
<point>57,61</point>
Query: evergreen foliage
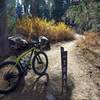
<point>86,15</point>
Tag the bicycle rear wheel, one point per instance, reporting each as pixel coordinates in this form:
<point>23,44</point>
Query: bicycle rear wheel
<point>9,76</point>
<point>40,63</point>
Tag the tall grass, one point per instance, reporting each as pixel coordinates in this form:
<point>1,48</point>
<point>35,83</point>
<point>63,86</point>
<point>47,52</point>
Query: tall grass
<point>37,26</point>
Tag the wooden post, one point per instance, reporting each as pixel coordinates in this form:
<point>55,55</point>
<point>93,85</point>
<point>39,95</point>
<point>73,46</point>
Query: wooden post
<point>64,70</point>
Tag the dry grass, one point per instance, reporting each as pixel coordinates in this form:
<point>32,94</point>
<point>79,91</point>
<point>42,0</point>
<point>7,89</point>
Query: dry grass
<point>90,41</point>
<point>36,26</point>
<point>90,48</point>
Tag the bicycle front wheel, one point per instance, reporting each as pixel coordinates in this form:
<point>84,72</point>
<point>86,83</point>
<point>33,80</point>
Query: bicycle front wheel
<point>40,63</point>
<point>9,76</point>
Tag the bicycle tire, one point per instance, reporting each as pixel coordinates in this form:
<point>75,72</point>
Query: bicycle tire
<point>4,64</point>
<point>33,63</point>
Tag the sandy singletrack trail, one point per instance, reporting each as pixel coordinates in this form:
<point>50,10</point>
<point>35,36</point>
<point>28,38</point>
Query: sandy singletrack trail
<point>81,86</point>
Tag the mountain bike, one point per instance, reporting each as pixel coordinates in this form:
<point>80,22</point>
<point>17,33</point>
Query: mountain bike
<point>11,72</point>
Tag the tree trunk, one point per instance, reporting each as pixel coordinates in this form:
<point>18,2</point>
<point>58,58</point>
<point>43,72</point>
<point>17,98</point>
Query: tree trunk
<point>34,8</point>
<point>4,45</point>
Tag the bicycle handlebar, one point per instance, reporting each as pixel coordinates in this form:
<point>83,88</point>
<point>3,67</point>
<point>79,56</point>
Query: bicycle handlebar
<point>34,44</point>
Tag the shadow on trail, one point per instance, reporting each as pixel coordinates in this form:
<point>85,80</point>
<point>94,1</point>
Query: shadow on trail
<point>71,86</point>
<point>54,88</point>
<point>40,89</point>
<point>34,91</point>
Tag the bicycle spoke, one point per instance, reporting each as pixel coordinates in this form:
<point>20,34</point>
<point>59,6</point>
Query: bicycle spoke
<point>40,63</point>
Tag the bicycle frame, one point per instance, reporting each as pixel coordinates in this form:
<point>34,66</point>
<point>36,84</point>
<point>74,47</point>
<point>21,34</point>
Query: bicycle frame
<point>32,50</point>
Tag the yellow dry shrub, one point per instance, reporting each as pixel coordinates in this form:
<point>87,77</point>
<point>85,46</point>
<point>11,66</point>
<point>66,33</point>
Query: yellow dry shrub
<point>64,31</point>
<point>41,26</point>
<point>24,26</point>
<point>38,26</point>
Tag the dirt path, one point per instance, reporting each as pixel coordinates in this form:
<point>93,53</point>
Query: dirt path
<point>81,86</point>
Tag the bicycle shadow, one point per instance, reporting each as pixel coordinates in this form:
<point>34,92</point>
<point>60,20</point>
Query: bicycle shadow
<point>41,90</point>
<point>35,91</point>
